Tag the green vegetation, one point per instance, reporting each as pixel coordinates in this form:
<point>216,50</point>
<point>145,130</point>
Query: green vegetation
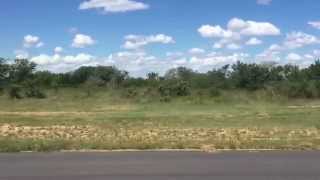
<point>246,106</point>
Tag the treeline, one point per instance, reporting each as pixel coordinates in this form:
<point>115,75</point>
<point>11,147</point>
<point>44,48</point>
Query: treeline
<point>21,80</point>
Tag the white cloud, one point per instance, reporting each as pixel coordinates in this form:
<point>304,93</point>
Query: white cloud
<point>196,51</point>
<point>32,41</point>
<point>139,41</point>
<point>309,56</point>
<point>209,31</point>
<point>21,54</point>
<point>316,53</point>
<point>233,46</point>
<point>264,2</point>
<point>299,39</point>
<point>215,60</point>
<point>174,54</point>
<point>80,58</point>
<point>58,50</point>
<point>253,41</point>
<point>254,28</point>
<point>293,40</point>
<point>139,64</point>
<point>82,40</point>
<point>56,59</point>
<point>136,63</point>
<point>315,24</point>
<point>275,47</point>
<point>217,45</point>
<point>44,59</point>
<point>113,6</point>
<point>293,57</point>
<point>236,24</point>
<point>237,33</point>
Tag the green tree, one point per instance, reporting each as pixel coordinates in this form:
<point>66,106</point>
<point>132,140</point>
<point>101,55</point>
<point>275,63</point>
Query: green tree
<point>249,76</point>
<point>4,73</point>
<point>21,71</point>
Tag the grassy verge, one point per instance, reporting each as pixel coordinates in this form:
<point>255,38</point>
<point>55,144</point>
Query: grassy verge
<point>51,138</point>
<point>107,121</point>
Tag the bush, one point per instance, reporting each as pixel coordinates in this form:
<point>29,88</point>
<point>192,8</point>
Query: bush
<point>174,88</point>
<point>165,99</point>
<point>305,89</point>
<point>131,93</point>
<point>15,92</point>
<point>214,92</point>
<point>1,91</point>
<point>34,92</point>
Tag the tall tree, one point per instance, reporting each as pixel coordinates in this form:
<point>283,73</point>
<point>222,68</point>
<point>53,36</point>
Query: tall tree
<point>4,72</point>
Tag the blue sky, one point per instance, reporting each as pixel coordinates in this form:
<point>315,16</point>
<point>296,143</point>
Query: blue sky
<point>154,35</point>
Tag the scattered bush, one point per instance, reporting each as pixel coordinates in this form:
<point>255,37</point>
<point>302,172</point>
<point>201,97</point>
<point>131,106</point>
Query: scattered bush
<point>174,88</point>
<point>131,93</point>
<point>15,92</point>
<point>34,92</point>
<point>21,79</point>
<point>214,92</point>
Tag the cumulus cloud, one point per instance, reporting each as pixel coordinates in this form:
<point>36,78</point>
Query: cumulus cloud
<point>82,41</point>
<point>137,63</point>
<point>217,45</point>
<point>315,24</point>
<point>264,2</point>
<point>174,54</point>
<point>293,57</point>
<point>113,6</point>
<point>293,40</point>
<point>238,32</point>
<point>253,42</point>
<point>299,39</point>
<point>58,50</point>
<point>140,63</point>
<point>196,51</point>
<point>32,41</point>
<point>217,31</point>
<point>139,41</point>
<point>260,29</point>
<point>233,46</point>
<point>253,28</point>
<point>215,60</point>
<point>21,54</point>
<point>45,59</point>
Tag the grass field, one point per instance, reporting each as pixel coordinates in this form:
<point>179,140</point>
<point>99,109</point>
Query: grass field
<point>106,120</point>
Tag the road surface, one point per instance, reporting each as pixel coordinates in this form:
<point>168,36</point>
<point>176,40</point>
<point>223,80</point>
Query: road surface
<point>161,166</point>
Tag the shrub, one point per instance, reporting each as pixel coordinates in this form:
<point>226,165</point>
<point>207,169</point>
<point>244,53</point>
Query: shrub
<point>214,92</point>
<point>305,89</point>
<point>131,93</point>
<point>15,92</point>
<point>174,88</point>
<point>1,91</point>
<point>165,99</point>
<point>34,92</point>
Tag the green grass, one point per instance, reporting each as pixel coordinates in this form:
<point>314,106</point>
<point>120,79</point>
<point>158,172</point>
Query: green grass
<point>109,110</point>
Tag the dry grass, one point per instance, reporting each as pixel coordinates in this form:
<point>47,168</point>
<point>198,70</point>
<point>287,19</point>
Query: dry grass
<point>207,139</point>
<point>70,120</point>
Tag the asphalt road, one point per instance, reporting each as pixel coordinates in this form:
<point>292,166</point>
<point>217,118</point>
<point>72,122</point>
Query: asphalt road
<point>161,166</point>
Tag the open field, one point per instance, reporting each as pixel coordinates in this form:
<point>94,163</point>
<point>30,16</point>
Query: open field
<point>106,120</point>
